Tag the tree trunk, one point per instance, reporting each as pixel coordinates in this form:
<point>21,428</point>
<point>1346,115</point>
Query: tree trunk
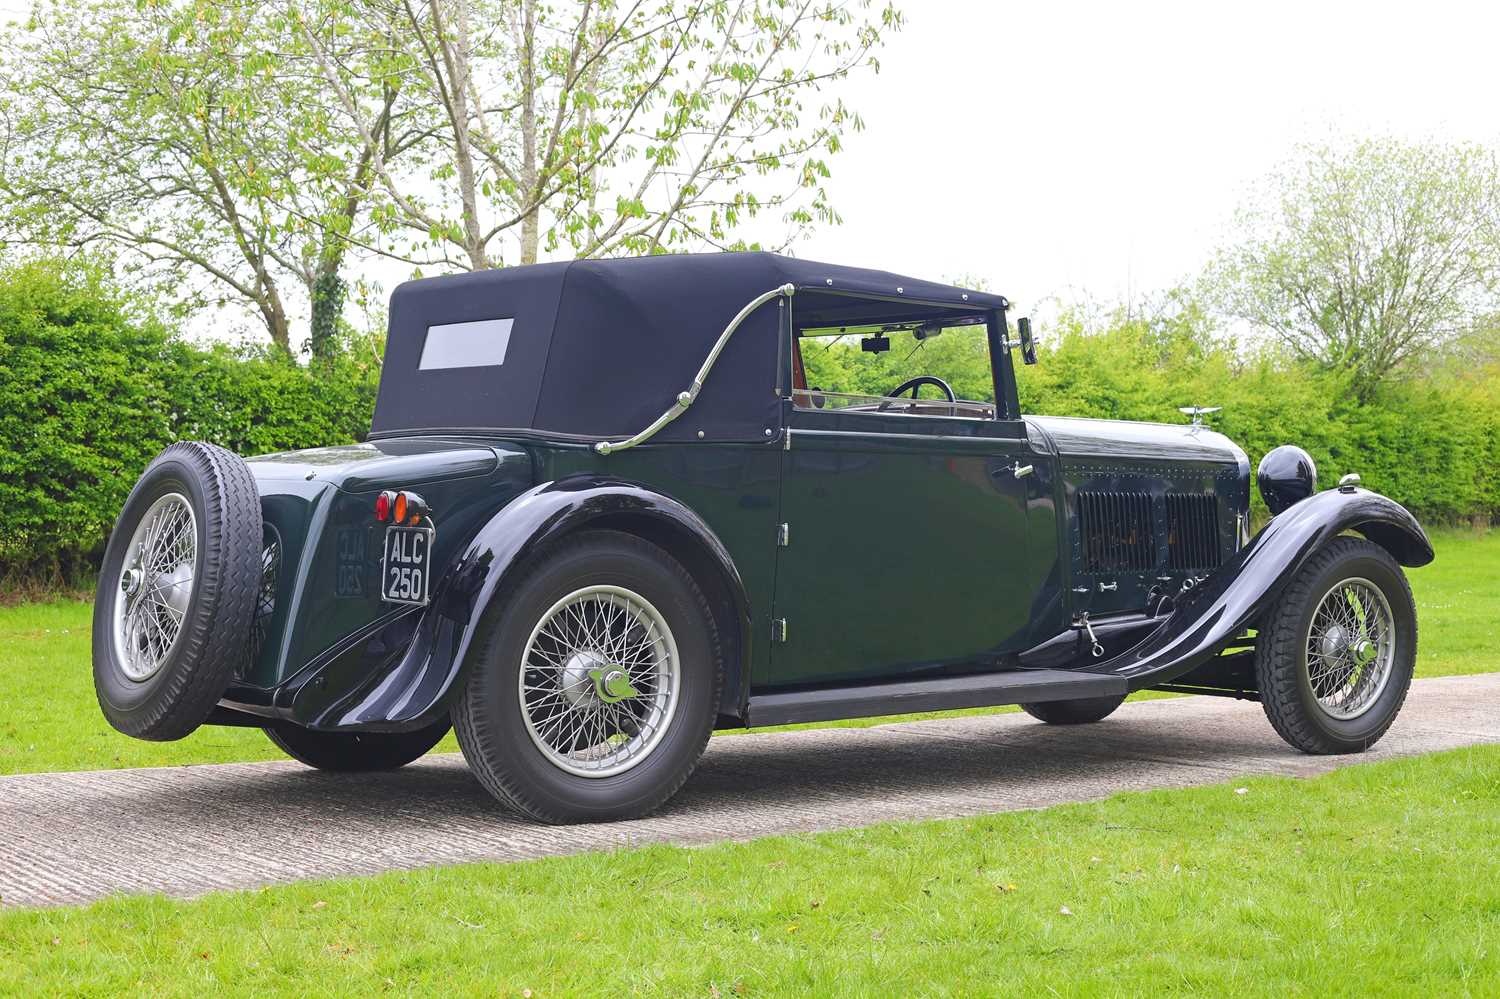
<point>530,227</point>
<point>530,234</point>
<point>456,46</point>
<point>274,315</point>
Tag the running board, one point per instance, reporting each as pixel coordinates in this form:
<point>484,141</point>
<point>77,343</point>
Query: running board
<point>938,694</point>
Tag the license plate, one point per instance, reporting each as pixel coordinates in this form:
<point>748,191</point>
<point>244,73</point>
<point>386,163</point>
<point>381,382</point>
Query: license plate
<point>405,569</point>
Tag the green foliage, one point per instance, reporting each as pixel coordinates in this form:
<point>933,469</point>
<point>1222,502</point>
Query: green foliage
<point>584,129</point>
<point>187,138</point>
<point>90,391</point>
<point>1368,256</point>
<point>329,292</point>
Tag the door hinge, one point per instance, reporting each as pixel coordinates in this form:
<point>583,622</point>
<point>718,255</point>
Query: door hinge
<point>783,535</point>
<point>778,629</point>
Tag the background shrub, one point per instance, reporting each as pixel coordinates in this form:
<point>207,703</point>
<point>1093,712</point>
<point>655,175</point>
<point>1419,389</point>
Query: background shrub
<point>92,387</point>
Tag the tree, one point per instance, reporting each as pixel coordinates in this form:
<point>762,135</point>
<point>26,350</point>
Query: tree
<point>189,137</point>
<point>596,127</point>
<point>235,151</point>
<point>1363,257</point>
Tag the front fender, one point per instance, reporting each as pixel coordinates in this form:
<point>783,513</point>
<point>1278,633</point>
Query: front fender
<point>413,690</point>
<point>1236,595</point>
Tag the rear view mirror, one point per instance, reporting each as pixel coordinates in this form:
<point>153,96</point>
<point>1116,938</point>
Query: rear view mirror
<point>875,344</point>
<point>1028,345</point>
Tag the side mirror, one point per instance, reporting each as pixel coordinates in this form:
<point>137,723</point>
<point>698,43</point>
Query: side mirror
<point>1028,345</point>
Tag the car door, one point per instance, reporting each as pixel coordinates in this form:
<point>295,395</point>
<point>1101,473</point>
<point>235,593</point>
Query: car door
<point>903,546</point>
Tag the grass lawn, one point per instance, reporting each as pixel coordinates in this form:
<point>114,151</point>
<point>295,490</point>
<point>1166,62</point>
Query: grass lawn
<point>49,719</point>
<point>1375,880</point>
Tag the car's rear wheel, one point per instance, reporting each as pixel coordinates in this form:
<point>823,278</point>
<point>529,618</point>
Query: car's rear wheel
<point>596,686</point>
<point>1080,711</point>
<point>355,752</point>
<point>177,591</point>
<point>1335,654</point>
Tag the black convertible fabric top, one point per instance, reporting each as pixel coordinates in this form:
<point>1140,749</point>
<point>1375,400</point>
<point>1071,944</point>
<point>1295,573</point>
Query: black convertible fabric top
<point>599,348</point>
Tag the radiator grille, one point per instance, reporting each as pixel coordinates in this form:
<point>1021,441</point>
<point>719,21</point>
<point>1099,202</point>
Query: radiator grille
<point>1116,531</point>
<point>1192,531</point>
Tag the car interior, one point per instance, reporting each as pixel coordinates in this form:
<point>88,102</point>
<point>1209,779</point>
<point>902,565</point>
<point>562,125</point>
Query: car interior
<point>847,362</point>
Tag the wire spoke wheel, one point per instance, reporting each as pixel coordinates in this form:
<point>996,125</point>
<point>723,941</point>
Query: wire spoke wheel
<point>1350,648</point>
<point>599,681</point>
<point>156,586</point>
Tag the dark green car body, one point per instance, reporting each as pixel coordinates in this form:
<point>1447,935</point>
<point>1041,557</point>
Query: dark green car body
<point>856,562</point>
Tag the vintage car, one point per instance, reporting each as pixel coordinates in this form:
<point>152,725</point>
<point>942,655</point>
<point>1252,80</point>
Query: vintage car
<point>601,513</point>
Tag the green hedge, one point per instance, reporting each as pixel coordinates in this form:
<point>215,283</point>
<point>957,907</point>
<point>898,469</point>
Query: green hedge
<point>91,390</point>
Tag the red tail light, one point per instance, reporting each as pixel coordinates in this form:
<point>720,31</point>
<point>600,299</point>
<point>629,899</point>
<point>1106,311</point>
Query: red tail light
<point>400,507</point>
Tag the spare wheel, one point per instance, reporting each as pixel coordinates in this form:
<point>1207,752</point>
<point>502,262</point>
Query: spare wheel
<point>177,592</point>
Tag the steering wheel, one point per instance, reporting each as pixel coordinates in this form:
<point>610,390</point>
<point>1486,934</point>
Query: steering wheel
<point>915,385</point>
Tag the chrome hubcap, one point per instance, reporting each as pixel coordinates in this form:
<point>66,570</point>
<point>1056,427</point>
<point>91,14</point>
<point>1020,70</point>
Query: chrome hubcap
<point>1351,647</point>
<point>599,681</point>
<point>156,587</point>
<point>577,679</point>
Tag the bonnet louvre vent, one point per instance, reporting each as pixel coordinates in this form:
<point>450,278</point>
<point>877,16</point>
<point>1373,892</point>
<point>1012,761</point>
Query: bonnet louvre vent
<point>1116,531</point>
<point>1192,531</point>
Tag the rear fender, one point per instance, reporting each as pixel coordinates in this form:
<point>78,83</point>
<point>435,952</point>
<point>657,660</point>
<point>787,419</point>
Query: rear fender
<point>1231,599</point>
<point>415,688</point>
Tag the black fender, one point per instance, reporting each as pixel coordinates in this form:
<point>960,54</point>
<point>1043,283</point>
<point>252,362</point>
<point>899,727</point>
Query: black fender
<point>402,673</point>
<point>1229,600</point>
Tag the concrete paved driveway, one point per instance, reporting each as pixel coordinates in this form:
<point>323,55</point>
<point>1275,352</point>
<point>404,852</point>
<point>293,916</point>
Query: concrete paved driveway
<point>186,830</point>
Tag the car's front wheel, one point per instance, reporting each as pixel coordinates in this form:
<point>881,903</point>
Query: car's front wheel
<point>595,688</point>
<point>1334,656</point>
<point>355,752</point>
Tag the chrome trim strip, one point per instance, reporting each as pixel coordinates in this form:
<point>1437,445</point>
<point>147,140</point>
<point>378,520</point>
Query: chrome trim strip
<point>892,412</point>
<point>876,435</point>
<point>685,399</point>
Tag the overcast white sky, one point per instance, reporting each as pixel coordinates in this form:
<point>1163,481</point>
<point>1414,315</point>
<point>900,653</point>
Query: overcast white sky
<point>1102,147</point>
<point>1061,148</point>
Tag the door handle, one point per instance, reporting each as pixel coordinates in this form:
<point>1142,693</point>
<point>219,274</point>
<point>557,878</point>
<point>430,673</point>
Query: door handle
<point>1021,471</point>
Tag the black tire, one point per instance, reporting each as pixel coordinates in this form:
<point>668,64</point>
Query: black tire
<point>215,628</point>
<point>1281,652</point>
<point>1082,711</point>
<point>488,717</point>
<point>355,752</point>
